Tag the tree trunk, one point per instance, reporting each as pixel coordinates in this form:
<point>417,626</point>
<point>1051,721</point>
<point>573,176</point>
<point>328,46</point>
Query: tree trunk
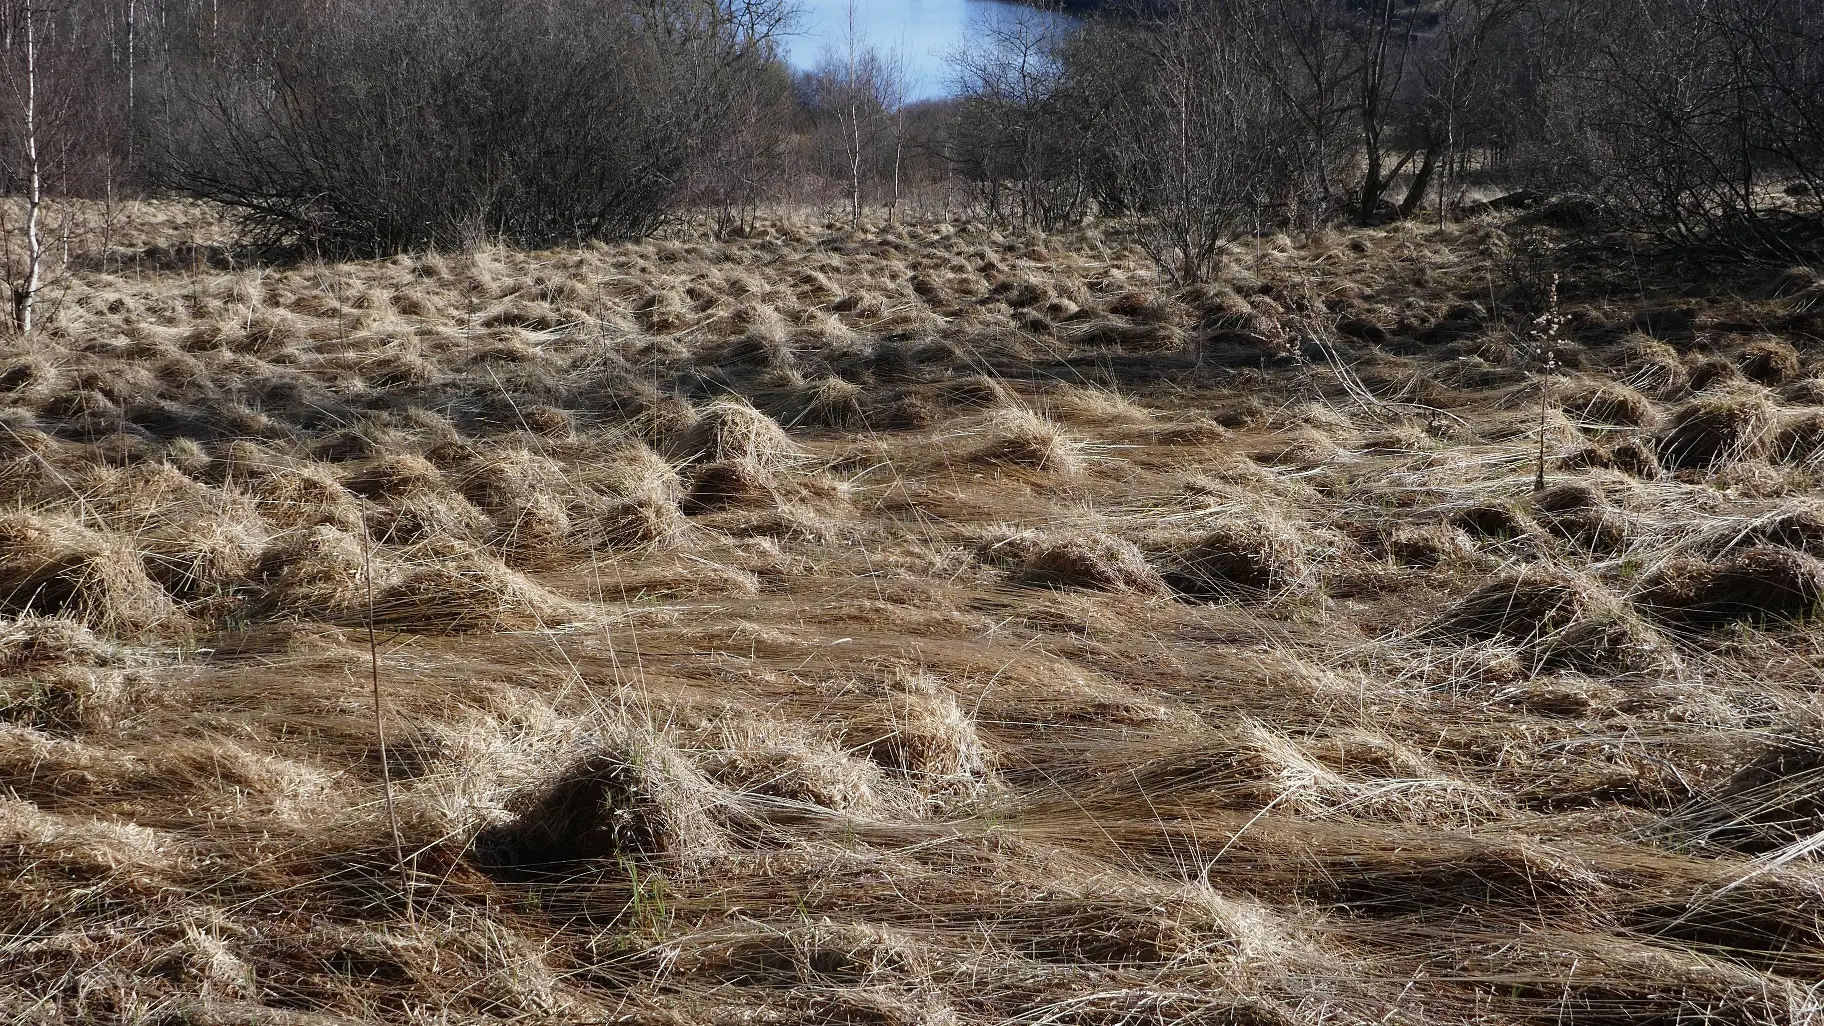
<point>1421,181</point>
<point>899,151</point>
<point>25,292</point>
<point>1372,186</point>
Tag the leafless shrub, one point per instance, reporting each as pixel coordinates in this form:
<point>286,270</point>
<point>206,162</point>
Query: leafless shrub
<point>402,126</point>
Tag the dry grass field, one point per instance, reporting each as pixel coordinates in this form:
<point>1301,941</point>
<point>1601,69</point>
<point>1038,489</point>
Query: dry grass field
<point>928,625</point>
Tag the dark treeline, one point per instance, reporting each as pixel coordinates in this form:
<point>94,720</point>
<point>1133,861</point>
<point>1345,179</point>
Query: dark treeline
<point>376,126</point>
<point>381,125</point>
<point>1693,121</point>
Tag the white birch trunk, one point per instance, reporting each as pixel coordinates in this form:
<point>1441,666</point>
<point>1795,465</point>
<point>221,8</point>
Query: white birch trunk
<point>25,294</point>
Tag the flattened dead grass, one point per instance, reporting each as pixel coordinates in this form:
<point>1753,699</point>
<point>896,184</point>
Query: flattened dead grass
<point>924,624</point>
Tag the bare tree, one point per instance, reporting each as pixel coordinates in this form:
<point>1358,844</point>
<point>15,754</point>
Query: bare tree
<point>48,140</point>
<point>1018,136</point>
<point>749,161</point>
<point>1199,148</point>
<point>1703,107</point>
<point>895,92</point>
<point>860,94</point>
<point>1458,85</point>
<point>1294,48</point>
<point>856,109</point>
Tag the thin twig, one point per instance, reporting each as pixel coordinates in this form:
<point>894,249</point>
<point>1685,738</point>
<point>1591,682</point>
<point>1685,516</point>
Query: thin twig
<point>386,770</point>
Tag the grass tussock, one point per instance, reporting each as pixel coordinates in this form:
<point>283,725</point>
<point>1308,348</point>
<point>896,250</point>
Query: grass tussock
<point>727,431</point>
<point>1607,403</point>
<point>1707,433</point>
<point>1584,517</point>
<point>1021,440</point>
<point>1241,558</point>
<point>1558,619</point>
<point>449,587</point>
<point>632,803</point>
<point>1090,560</point>
<point>1755,585</point>
<point>53,567</point>
<point>1769,361</point>
<point>1768,805</point>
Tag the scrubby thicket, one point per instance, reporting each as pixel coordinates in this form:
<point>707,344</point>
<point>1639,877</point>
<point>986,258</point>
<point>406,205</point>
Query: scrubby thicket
<point>923,624</point>
<point>379,126</point>
<point>382,126</point>
<point>362,127</point>
<point>1691,122</point>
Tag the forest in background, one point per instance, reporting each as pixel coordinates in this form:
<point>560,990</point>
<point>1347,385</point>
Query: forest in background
<point>378,126</point>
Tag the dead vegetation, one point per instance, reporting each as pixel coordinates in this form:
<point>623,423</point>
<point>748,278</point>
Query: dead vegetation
<point>915,625</point>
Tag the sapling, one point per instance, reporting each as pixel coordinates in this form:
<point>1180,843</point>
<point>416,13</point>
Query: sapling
<point>1547,334</point>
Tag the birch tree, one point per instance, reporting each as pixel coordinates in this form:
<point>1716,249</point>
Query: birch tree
<point>23,46</point>
<point>860,94</point>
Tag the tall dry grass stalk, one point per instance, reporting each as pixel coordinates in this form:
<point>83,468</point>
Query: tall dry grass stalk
<point>1547,332</point>
<point>386,772</point>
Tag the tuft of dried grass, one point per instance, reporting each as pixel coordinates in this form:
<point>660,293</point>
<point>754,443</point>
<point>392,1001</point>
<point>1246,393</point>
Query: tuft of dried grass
<point>1428,546</point>
<point>448,587</point>
<point>395,476</point>
<point>548,421</point>
<point>1635,459</point>
<point>1707,433</point>
<point>305,498</point>
<point>1800,285</point>
<point>202,559</point>
<point>828,402</point>
<point>1717,374</point>
<point>1607,403</point>
<point>1240,558</point>
<point>1798,526</point>
<point>1762,584</point>
<point>731,430</point>
<point>1804,392</point>
<point>775,760</point>
<point>1122,336</point>
<point>1026,441</point>
<point>1583,516</point>
<point>1493,521</point>
<point>1769,361</point>
<point>974,391</point>
<point>1651,366</point>
<point>32,642</point>
<point>317,572</point>
<point>1772,803</point>
<point>1799,439</point>
<point>1090,560</point>
<point>731,484</point>
<point>645,521</point>
<point>1093,407</point>
<point>414,502</point>
<point>49,677</point>
<point>528,497</point>
<point>635,799</point>
<point>915,728</point>
<point>1561,618</point>
<point>55,567</point>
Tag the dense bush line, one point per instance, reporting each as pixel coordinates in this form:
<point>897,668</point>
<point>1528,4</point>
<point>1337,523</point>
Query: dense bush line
<point>385,125</point>
<point>382,125</point>
<point>1694,121</point>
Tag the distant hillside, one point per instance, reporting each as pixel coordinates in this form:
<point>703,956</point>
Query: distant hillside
<point>1088,7</point>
